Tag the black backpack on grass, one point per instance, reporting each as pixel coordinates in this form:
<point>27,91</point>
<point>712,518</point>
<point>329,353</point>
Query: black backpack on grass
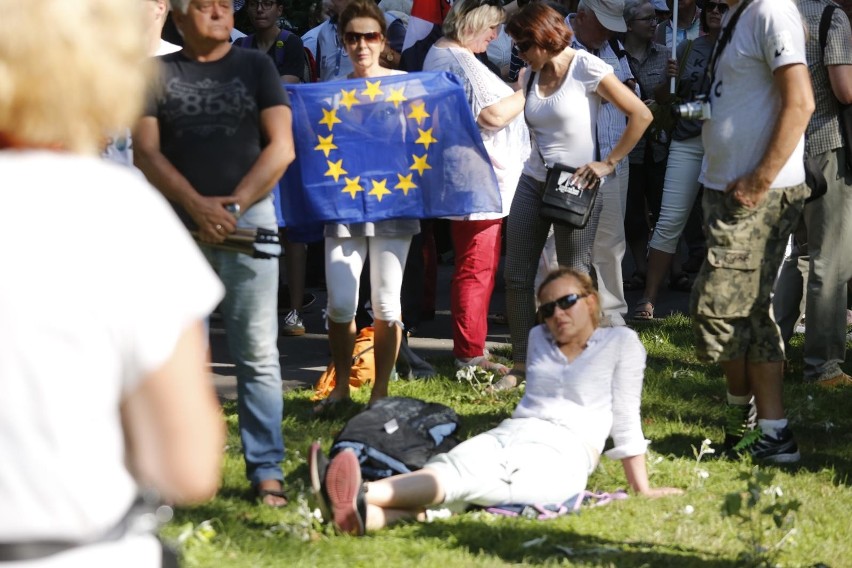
<point>398,435</point>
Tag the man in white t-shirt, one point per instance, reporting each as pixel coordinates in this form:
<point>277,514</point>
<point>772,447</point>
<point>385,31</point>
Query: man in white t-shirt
<point>761,101</point>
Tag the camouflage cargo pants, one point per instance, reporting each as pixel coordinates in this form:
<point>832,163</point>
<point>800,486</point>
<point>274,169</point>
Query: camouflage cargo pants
<point>730,302</point>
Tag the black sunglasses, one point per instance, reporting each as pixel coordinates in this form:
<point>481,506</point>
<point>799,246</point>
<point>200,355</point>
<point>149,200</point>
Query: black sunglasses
<point>564,303</point>
<point>353,38</point>
<point>720,7</point>
<point>524,46</point>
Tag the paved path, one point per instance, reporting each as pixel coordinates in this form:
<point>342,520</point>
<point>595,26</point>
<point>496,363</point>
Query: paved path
<point>304,358</point>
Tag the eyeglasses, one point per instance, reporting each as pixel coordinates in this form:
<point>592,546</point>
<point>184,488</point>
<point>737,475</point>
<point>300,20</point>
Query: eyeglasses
<point>524,46</point>
<point>650,19</point>
<point>265,4</point>
<point>206,6</point>
<point>720,7</point>
<point>354,38</point>
<point>565,303</point>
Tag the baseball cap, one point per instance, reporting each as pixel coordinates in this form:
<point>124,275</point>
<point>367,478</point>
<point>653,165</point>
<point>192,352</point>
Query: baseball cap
<point>660,6</point>
<point>610,13</point>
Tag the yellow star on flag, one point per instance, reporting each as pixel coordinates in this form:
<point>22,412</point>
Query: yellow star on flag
<point>326,144</point>
<point>396,96</point>
<point>329,118</point>
<point>349,99</point>
<point>335,169</point>
<point>379,189</point>
<point>352,186</point>
<point>425,138</point>
<point>418,113</point>
<point>405,183</point>
<point>373,90</point>
<point>420,164</point>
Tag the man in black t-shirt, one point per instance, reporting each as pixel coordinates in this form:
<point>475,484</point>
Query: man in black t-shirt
<point>214,139</point>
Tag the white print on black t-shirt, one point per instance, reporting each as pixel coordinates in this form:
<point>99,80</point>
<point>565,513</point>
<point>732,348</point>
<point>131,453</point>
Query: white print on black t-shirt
<point>204,106</point>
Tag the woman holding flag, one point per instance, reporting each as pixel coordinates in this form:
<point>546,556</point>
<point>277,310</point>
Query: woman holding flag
<point>347,245</point>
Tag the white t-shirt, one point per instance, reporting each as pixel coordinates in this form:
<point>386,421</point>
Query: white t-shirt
<point>744,101</point>
<point>99,281</point>
<point>508,147</point>
<point>564,123</point>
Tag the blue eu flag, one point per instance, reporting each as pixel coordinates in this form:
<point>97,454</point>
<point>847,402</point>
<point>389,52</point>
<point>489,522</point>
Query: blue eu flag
<point>392,147</point>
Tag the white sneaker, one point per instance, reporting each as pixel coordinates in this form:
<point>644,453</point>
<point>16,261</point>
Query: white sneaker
<point>292,325</point>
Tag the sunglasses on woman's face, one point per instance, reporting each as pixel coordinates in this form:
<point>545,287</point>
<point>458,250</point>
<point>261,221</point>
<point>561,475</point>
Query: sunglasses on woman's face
<point>720,7</point>
<point>353,38</point>
<point>565,303</point>
<point>524,46</point>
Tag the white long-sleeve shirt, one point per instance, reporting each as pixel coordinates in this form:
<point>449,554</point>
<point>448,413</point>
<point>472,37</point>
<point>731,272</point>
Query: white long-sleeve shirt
<point>596,396</point>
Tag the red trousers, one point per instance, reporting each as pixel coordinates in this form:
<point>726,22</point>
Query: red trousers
<point>477,252</point>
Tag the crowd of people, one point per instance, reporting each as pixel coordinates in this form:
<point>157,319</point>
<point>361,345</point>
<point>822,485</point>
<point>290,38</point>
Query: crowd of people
<point>589,84</point>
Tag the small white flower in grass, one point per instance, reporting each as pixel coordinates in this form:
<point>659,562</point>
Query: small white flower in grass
<point>317,514</point>
<point>688,510</point>
<point>657,460</point>
<point>774,490</point>
<point>702,473</point>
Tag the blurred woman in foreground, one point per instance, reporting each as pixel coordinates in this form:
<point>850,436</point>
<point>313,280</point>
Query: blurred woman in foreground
<point>103,379</point>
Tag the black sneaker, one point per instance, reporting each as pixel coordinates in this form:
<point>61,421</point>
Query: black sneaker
<point>740,419</point>
<point>780,448</point>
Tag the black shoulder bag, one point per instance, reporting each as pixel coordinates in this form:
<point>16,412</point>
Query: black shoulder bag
<point>563,202</point>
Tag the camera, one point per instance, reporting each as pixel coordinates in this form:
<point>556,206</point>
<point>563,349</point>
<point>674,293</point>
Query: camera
<point>699,109</point>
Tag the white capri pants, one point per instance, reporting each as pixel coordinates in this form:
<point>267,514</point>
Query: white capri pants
<point>679,191</point>
<point>344,261</point>
<point>523,461</point>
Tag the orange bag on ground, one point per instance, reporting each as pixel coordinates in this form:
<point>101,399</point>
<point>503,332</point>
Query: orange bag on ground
<point>363,366</point>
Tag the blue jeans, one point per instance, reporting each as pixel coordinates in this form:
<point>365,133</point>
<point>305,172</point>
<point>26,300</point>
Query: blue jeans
<point>250,312</point>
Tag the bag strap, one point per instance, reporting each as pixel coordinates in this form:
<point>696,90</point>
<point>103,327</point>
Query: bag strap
<point>682,63</point>
<point>724,40</point>
<point>824,25</point>
<point>530,80</point>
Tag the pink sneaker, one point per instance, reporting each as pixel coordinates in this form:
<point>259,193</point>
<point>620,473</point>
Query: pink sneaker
<point>346,493</point>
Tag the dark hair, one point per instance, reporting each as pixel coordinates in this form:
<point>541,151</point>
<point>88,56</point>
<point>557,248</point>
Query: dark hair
<point>587,286</point>
<point>542,25</point>
<point>361,9</point>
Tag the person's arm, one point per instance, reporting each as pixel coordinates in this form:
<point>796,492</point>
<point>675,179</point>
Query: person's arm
<point>840,77</point>
<point>294,64</point>
<point>797,106</point>
<point>629,444</point>
<point>638,119</point>
<point>637,478</point>
<point>173,428</point>
<point>502,112</point>
<point>207,212</point>
<point>275,126</point>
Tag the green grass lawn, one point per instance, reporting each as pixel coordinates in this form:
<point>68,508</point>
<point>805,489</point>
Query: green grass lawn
<point>682,406</point>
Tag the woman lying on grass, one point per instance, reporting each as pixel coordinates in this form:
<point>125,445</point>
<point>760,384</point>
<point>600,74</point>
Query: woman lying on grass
<point>584,384</point>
